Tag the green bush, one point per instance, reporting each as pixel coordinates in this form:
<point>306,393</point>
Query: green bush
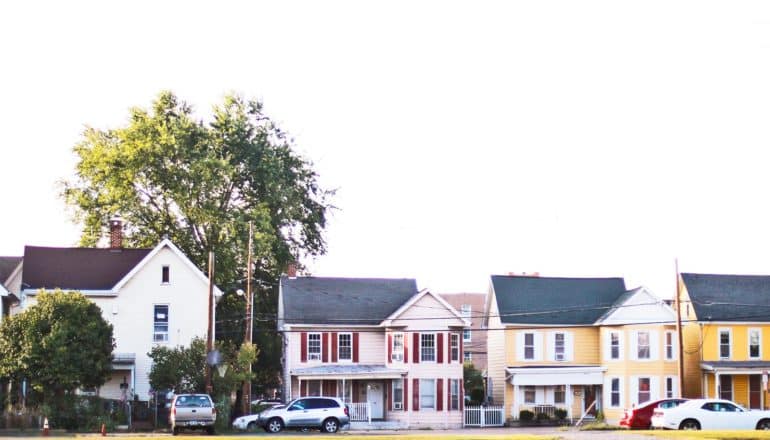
<point>560,414</point>
<point>542,416</point>
<point>526,415</point>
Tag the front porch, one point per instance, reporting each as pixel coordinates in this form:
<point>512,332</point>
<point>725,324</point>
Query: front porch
<point>544,390</point>
<point>743,382</point>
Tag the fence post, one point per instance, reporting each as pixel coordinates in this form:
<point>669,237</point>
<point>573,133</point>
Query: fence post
<point>369,412</point>
<point>483,422</point>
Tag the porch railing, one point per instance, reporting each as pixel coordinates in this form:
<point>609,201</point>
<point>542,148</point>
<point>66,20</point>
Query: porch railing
<point>547,409</point>
<point>484,415</point>
<point>360,412</point>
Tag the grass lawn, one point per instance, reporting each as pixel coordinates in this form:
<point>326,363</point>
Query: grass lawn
<point>708,435</point>
<point>346,436</point>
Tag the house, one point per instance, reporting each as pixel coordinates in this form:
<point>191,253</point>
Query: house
<point>10,267</point>
<point>150,296</point>
<point>581,345</point>
<point>726,331</point>
<point>393,353</point>
<point>471,307</point>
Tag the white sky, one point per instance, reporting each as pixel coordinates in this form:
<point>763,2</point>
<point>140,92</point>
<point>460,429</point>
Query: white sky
<point>575,138</point>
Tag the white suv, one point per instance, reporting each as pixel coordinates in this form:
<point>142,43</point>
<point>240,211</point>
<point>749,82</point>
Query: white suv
<point>326,413</point>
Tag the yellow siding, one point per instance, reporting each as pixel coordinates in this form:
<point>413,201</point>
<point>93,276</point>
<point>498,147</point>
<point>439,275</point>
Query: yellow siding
<point>691,334</point>
<point>585,346</point>
<point>741,390</point>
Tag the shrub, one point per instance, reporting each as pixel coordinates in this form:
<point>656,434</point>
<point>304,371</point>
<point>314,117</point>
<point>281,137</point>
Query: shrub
<point>560,414</point>
<point>526,415</point>
<point>542,416</point>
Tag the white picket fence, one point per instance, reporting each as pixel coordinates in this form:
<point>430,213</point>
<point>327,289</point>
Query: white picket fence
<point>359,412</point>
<point>484,415</point>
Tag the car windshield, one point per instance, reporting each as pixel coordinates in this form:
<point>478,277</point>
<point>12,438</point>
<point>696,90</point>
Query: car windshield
<point>193,402</point>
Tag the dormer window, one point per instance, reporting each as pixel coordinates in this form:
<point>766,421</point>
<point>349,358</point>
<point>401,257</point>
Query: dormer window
<point>165,275</point>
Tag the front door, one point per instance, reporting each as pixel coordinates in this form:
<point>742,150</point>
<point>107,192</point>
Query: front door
<point>374,395</point>
<point>589,395</point>
<point>755,391</point>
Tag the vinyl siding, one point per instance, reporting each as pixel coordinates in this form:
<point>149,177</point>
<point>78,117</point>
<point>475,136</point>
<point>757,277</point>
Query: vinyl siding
<point>584,338</point>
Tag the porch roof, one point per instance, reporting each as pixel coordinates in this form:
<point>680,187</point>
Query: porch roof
<point>557,375</point>
<point>736,367</point>
<point>348,372</point>
<point>123,358</point>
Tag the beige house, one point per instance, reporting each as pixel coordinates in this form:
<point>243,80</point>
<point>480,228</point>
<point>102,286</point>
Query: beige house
<point>471,307</point>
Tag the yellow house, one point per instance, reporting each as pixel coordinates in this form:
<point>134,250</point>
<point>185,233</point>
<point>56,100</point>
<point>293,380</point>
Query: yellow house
<point>582,345</point>
<point>726,331</point>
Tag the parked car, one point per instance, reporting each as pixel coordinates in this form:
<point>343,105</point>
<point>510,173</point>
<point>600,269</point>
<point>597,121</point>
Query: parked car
<point>192,411</point>
<point>251,421</point>
<point>710,414</point>
<point>641,416</point>
<point>326,413</point>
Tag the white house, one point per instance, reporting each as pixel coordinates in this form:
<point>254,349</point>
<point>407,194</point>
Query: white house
<point>150,296</point>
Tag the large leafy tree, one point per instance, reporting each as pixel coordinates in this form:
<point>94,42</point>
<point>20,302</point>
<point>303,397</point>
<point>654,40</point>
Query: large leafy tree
<point>59,344</point>
<point>201,183</point>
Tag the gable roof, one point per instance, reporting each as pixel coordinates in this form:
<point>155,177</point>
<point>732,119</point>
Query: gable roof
<point>342,301</point>
<point>554,301</point>
<point>729,297</point>
<point>638,306</point>
<point>77,268</point>
<point>7,266</point>
<point>451,311</point>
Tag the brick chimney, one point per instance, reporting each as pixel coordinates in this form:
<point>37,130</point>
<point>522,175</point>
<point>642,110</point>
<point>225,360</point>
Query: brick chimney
<point>291,269</point>
<point>116,232</point>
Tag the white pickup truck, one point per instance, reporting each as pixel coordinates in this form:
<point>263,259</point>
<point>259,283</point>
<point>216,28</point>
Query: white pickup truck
<point>192,411</point>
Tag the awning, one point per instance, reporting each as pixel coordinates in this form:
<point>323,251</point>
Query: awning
<point>348,372</point>
<point>736,367</point>
<point>123,359</point>
<point>555,375</point>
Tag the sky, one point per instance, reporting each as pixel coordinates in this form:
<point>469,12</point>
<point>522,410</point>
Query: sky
<point>464,139</point>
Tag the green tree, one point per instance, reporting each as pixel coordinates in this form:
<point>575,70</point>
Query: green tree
<point>200,183</point>
<point>473,382</point>
<point>59,344</point>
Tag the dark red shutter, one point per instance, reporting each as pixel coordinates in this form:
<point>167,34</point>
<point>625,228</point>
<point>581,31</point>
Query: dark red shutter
<point>406,348</point>
<point>303,347</point>
<point>449,349</point>
<point>355,347</point>
<point>390,348</point>
<point>333,388</point>
<point>325,347</point>
<point>439,394</point>
<point>461,354</point>
<point>449,394</point>
<point>405,394</point>
<point>334,347</point>
<point>462,392</point>
<point>440,348</point>
<point>416,348</point>
<point>390,394</point>
<point>415,394</point>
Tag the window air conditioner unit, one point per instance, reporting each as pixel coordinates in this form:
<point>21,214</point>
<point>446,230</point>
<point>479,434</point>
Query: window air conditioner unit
<point>396,405</point>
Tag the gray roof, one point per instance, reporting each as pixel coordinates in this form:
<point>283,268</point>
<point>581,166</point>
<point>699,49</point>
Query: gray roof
<point>555,301</point>
<point>729,297</point>
<point>7,266</point>
<point>351,369</point>
<point>344,301</point>
<point>737,364</point>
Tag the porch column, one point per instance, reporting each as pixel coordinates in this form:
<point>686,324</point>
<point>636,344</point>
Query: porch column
<point>717,385</point>
<point>568,400</point>
<point>516,403</point>
<point>343,391</point>
<point>299,382</point>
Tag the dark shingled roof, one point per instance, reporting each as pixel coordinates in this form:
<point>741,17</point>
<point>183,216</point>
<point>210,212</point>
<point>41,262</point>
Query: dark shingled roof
<point>7,265</point>
<point>729,297</point>
<point>77,268</point>
<point>555,301</point>
<point>355,301</point>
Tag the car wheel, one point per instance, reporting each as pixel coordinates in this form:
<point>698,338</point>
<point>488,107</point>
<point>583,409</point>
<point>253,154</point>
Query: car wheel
<point>764,424</point>
<point>330,425</point>
<point>274,425</point>
<point>251,427</point>
<point>690,424</point>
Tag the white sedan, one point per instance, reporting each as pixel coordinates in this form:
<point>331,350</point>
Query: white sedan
<point>251,421</point>
<point>710,414</point>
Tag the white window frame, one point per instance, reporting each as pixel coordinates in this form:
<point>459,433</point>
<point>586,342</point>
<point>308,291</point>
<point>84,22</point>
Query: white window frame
<point>160,336</point>
<point>423,349</point>
<point>534,347</point>
<point>617,334</point>
<point>529,388</point>
<point>311,356</point>
<point>398,384</point>
<point>427,389</point>
<point>639,346</point>
<point>563,390</point>
<point>729,333</point>
<point>454,347</point>
<point>467,356</point>
<point>669,346</point>
<point>670,391</point>
<point>454,395</point>
<point>466,313</point>
<point>619,392</point>
<point>339,347</point>
<point>748,339</point>
<point>639,389</point>
<point>563,347</point>
<point>396,352</point>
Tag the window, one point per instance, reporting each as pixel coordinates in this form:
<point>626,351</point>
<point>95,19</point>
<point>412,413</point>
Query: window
<point>164,275</point>
<point>615,392</point>
<point>454,394</point>
<point>454,347</point>
<point>529,346</point>
<point>669,387</point>
<point>467,356</point>
<point>614,345</point>
<point>755,341</point>
<point>314,388</point>
<point>427,393</point>
<point>398,394</point>
<point>466,312</point>
<point>669,345</point>
<point>427,347</point>
<point>160,323</point>
<point>345,343</point>
<point>314,346</point>
<point>644,390</point>
<point>724,344</point>
<point>558,346</point>
<point>558,394</point>
<point>529,393</point>
<point>397,351</point>
<point>726,387</point>
<point>643,346</point>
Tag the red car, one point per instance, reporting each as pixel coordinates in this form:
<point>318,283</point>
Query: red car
<point>641,416</point>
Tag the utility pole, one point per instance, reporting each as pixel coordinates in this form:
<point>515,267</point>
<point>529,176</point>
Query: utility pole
<point>246,391</point>
<point>210,332</point>
<point>678,305</point>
